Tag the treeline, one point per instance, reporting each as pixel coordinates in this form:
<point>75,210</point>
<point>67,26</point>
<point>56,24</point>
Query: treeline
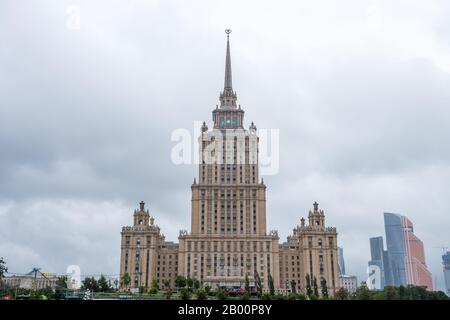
<point>100,285</point>
<point>391,293</point>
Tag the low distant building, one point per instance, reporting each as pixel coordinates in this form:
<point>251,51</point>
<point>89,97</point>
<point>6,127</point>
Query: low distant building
<point>32,280</point>
<point>379,261</point>
<point>348,282</point>
<point>345,281</point>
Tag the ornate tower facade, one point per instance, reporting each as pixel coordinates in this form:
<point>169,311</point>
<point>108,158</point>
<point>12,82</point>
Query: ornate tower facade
<point>311,252</point>
<point>145,255</point>
<point>228,238</point>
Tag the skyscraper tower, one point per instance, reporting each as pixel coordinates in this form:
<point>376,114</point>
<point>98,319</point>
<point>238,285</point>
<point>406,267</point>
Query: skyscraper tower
<point>228,238</point>
<point>229,241</point>
<point>341,261</point>
<point>380,258</point>
<point>406,252</point>
<point>446,264</point>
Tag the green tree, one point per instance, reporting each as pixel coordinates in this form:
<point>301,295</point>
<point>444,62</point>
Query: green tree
<point>3,269</point>
<point>259,286</point>
<point>103,285</point>
<point>316,288</point>
<point>89,283</point>
<point>363,293</point>
<point>125,280</point>
<point>279,296</point>
<point>196,284</point>
<point>185,294</point>
<point>168,290</point>
<point>391,293</point>
<point>266,296</point>
<point>342,294</point>
<point>154,288</point>
<point>292,296</point>
<point>221,293</point>
<point>324,288</point>
<point>166,284</point>
<point>46,293</point>
<point>402,294</point>
<point>207,289</point>
<point>62,282</point>
<point>201,294</point>
<point>155,283</point>
<point>189,282</point>
<point>180,282</point>
<point>59,293</point>
<point>417,292</point>
<point>247,285</point>
<point>301,296</point>
<point>438,295</point>
<point>309,291</point>
<point>244,295</point>
<point>378,295</point>
<point>271,286</point>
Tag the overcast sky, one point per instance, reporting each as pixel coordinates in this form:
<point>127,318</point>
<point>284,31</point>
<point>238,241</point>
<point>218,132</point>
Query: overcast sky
<point>358,89</point>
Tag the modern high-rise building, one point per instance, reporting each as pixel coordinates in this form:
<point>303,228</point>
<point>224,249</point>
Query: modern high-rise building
<point>388,277</point>
<point>446,263</point>
<point>379,258</point>
<point>228,239</point>
<point>406,253</point>
<point>341,261</point>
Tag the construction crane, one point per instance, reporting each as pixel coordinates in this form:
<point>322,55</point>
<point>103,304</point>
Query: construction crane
<point>35,272</point>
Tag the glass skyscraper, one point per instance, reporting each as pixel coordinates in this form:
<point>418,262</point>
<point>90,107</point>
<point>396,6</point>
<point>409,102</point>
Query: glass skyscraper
<point>377,255</point>
<point>406,254</point>
<point>446,263</point>
<point>341,261</point>
<point>396,247</point>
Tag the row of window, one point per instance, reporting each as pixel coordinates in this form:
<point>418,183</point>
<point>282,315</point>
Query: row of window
<point>228,122</point>
<point>229,246</point>
<point>229,192</point>
<point>229,220</point>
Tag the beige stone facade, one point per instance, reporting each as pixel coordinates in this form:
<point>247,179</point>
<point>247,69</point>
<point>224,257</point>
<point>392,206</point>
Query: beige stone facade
<point>312,250</point>
<point>229,238</point>
<point>145,255</point>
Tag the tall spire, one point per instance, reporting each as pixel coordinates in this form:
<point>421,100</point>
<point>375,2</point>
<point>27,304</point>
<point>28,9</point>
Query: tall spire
<point>228,82</point>
<point>228,96</point>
